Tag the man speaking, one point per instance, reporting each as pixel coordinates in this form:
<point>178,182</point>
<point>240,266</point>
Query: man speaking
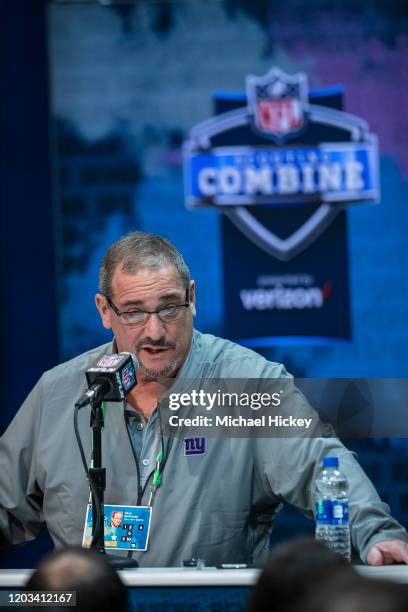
<point>217,503</point>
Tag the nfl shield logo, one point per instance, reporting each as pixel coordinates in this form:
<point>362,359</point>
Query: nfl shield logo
<point>128,376</point>
<point>277,103</point>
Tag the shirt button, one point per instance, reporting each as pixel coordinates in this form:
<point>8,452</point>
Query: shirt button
<point>139,426</point>
<point>145,462</point>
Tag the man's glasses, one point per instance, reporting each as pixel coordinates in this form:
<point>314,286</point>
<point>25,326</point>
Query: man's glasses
<point>168,314</point>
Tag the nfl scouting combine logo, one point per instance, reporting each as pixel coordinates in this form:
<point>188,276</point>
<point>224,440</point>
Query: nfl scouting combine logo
<point>245,158</point>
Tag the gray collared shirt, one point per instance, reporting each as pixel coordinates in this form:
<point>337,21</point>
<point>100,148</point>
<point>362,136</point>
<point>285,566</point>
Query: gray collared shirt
<point>218,506</point>
<point>146,442</point>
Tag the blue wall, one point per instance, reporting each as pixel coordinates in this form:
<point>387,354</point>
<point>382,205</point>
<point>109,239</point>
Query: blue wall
<point>29,320</point>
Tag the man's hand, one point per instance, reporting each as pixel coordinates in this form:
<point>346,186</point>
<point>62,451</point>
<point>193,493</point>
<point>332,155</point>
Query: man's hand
<point>387,552</point>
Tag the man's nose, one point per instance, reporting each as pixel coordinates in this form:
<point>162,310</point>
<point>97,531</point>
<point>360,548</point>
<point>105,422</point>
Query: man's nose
<point>154,327</point>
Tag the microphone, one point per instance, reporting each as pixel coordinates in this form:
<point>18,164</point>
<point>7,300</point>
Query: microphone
<point>111,379</point>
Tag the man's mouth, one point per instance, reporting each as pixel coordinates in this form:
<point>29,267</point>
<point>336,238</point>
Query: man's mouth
<point>154,350</point>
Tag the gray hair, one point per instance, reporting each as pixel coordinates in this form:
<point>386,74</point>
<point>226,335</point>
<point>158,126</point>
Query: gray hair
<point>140,250</point>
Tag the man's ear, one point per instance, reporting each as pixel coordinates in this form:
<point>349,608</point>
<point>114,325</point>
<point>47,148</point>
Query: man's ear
<point>103,309</point>
<point>193,298</point>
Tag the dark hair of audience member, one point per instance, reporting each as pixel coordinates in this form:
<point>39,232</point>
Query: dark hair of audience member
<point>362,595</point>
<point>291,570</point>
<point>97,585</point>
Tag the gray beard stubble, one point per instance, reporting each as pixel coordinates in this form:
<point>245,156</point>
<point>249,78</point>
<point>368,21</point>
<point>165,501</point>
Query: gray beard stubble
<point>165,373</point>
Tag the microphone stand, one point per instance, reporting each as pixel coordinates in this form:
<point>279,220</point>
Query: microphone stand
<point>98,475</point>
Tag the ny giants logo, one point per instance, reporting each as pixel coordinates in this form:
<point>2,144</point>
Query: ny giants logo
<point>194,446</point>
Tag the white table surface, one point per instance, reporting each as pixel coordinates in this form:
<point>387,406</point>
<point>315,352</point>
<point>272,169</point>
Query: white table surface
<point>209,576</point>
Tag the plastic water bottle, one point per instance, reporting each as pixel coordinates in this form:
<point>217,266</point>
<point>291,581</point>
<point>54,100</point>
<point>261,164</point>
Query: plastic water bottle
<point>331,508</point>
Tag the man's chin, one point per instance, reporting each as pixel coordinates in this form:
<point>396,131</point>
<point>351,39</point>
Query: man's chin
<point>164,372</point>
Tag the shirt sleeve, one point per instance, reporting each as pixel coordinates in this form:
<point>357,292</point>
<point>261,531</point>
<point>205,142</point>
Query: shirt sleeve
<point>288,466</point>
<point>21,498</point>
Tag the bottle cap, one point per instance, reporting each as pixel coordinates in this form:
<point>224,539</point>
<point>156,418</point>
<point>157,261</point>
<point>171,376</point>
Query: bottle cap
<point>329,462</point>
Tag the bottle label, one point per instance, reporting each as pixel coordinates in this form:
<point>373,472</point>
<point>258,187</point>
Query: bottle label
<point>332,512</point>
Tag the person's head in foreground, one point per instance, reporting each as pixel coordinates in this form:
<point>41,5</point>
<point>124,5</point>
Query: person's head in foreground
<point>97,585</point>
<point>147,298</point>
<point>362,595</point>
<point>291,570</point>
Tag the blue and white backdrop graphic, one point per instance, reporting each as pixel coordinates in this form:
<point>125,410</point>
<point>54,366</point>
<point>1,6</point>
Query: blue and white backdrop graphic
<point>281,164</point>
